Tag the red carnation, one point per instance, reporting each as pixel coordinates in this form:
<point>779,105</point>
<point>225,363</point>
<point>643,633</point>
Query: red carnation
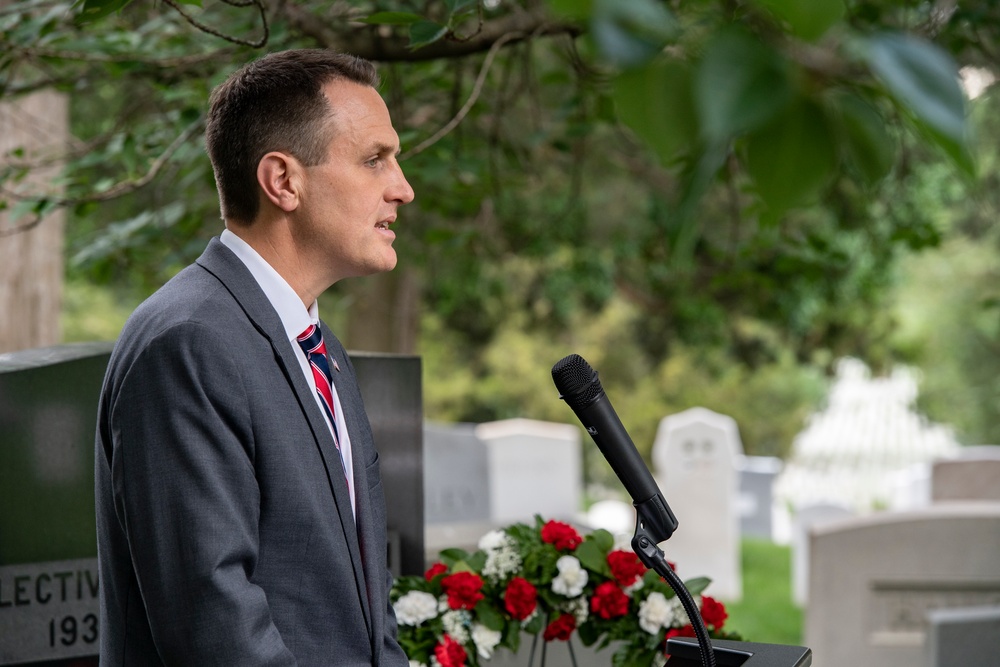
<point>686,631</point>
<point>713,612</point>
<point>561,535</point>
<point>626,567</point>
<point>561,628</point>
<point>520,598</point>
<point>462,589</point>
<point>434,570</point>
<point>609,601</point>
<point>449,653</point>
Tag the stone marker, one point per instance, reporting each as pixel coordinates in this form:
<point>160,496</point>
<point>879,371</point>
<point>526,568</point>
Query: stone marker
<point>756,499</point>
<point>456,474</point>
<point>873,580</point>
<point>535,467</point>
<point>806,519</point>
<point>963,637</point>
<point>966,478</point>
<point>695,455</point>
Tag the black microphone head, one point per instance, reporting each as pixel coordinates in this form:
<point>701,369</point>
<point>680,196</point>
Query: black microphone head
<point>576,381</point>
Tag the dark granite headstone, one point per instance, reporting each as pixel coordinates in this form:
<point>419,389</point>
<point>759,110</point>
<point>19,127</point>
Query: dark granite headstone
<point>48,546</point>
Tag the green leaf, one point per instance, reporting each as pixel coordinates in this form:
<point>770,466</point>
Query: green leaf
<point>866,146</point>
<point>630,32</point>
<point>392,18</point>
<point>808,19</point>
<point>423,33</point>
<point>489,616</point>
<point>697,584</point>
<point>924,81</point>
<point>792,158</point>
<point>604,540</point>
<point>450,556</point>
<point>535,625</point>
<point>512,635</point>
<point>592,558</point>
<point>740,85</point>
<point>656,102</point>
<point>572,9</point>
<point>91,10</point>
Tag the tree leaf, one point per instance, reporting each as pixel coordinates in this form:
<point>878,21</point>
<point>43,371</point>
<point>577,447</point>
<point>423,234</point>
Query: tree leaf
<point>630,32</point>
<point>740,85</point>
<point>392,18</point>
<point>807,19</point>
<point>792,158</point>
<point>924,81</point>
<point>866,146</point>
<point>655,101</point>
<point>91,10</point>
<point>423,33</point>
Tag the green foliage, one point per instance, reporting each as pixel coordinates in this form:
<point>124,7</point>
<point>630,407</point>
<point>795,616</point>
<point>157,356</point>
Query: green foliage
<point>766,613</point>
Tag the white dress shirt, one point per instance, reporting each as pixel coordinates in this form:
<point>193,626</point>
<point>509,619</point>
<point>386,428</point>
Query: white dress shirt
<point>296,318</point>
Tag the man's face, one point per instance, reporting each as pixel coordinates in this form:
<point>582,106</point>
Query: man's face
<point>349,201</point>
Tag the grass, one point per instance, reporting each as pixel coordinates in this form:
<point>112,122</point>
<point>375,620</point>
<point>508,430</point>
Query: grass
<point>766,613</point>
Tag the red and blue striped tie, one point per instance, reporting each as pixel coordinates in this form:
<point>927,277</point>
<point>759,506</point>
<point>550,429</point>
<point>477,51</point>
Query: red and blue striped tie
<point>311,342</point>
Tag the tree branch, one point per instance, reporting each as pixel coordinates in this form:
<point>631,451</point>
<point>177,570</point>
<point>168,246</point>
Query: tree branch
<point>368,43</point>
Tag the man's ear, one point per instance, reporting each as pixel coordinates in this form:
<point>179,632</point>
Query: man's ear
<point>278,175</point>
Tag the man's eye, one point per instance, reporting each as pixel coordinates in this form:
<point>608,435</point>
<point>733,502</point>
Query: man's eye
<point>372,162</point>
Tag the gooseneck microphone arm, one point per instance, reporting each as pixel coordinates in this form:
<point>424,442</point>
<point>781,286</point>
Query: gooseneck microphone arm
<point>578,385</point>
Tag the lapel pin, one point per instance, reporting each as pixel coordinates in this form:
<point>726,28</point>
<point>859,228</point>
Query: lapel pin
<point>336,366</point>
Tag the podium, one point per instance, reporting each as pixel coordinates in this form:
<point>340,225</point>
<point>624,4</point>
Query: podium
<point>684,652</point>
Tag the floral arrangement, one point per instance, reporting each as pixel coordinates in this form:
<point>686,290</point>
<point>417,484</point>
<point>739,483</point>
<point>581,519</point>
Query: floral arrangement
<point>544,579</point>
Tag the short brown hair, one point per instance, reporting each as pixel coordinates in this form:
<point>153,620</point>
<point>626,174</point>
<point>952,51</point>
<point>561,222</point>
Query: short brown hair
<point>274,103</point>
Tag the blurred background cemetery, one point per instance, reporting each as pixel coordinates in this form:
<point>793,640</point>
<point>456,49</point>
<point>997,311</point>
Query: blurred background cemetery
<point>769,225</point>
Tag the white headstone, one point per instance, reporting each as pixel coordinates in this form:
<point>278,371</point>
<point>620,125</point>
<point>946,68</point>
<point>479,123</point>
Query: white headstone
<point>966,478</point>
<point>535,467</point>
<point>873,580</point>
<point>695,455</point>
<point>456,475</point>
<point>807,518</point>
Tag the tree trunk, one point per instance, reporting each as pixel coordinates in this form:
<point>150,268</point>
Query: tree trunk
<point>31,261</point>
<point>383,312</point>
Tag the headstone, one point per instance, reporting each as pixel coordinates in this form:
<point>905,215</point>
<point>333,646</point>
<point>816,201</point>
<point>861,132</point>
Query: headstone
<point>910,487</point>
<point>695,455</point>
<point>535,467</point>
<point>873,580</point>
<point>966,478</point>
<point>963,636</point>
<point>48,535</point>
<point>456,489</point>
<point>806,519</point>
<point>756,499</point>
<point>456,474</point>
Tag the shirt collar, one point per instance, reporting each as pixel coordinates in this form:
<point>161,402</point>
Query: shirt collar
<point>294,317</point>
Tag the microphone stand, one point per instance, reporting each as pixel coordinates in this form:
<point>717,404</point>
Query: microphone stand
<point>655,523</point>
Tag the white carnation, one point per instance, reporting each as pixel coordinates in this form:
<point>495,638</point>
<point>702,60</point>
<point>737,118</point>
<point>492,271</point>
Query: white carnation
<point>493,540</point>
<point>572,577</point>
<point>655,612</point>
<point>414,663</point>
<point>486,640</point>
<point>415,607</point>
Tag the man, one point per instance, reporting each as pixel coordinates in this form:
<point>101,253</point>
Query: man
<point>240,510</point>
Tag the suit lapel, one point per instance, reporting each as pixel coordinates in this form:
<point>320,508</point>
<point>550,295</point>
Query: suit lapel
<point>224,265</point>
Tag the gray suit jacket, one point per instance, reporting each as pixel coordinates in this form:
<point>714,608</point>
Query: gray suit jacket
<point>225,534</point>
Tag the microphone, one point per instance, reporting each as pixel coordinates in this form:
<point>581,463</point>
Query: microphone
<point>578,385</point>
